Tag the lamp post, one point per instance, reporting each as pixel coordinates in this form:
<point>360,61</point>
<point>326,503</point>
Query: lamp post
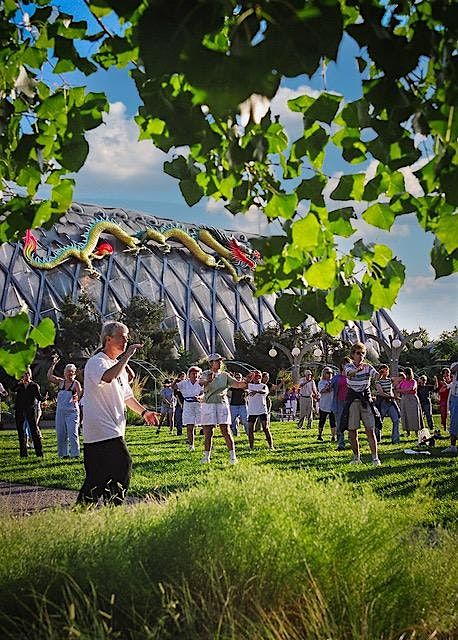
<point>394,346</point>
<point>295,356</point>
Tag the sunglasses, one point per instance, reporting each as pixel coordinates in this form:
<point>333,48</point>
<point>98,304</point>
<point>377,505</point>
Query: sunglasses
<point>360,353</point>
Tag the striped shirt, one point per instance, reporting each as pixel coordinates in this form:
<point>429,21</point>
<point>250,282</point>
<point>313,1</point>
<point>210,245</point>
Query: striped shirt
<point>387,385</point>
<point>361,380</point>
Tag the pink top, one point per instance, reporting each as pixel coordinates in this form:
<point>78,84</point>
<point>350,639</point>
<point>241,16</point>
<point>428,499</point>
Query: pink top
<point>342,388</point>
<point>408,386</point>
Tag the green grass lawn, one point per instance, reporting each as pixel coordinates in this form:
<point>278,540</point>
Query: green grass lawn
<point>163,465</point>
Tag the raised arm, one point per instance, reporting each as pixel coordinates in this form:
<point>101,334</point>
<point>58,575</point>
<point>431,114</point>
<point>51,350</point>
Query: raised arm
<point>50,375</point>
<point>114,371</point>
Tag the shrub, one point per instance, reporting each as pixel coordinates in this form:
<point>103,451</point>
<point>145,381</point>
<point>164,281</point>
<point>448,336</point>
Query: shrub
<point>252,555</point>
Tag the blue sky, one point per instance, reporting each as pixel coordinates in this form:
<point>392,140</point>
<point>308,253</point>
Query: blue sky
<point>122,172</point>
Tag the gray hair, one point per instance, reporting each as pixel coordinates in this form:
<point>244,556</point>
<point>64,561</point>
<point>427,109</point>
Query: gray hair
<point>109,329</point>
<point>69,366</point>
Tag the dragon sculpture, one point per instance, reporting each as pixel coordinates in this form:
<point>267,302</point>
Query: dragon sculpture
<point>228,253</point>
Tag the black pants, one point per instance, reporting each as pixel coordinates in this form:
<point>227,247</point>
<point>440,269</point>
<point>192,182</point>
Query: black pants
<point>108,467</point>
<point>322,420</point>
<point>29,415</point>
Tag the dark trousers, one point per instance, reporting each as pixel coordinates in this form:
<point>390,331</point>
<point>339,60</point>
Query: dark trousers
<point>29,415</point>
<point>108,467</point>
<point>322,420</point>
<point>178,419</point>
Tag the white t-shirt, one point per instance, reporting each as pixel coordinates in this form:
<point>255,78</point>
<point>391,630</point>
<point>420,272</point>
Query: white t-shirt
<point>325,402</point>
<point>104,402</point>
<point>362,379</point>
<point>257,404</point>
<point>189,390</point>
<point>2,390</point>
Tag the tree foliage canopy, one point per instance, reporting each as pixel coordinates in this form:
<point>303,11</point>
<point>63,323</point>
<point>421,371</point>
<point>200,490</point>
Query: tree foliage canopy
<point>206,72</point>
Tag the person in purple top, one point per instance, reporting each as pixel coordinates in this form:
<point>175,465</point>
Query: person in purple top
<point>339,388</point>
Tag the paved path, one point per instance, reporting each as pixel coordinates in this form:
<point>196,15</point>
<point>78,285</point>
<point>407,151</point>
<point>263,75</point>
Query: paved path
<point>22,499</point>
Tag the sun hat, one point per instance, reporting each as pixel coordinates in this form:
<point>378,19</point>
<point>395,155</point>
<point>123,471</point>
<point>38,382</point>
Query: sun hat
<point>214,356</point>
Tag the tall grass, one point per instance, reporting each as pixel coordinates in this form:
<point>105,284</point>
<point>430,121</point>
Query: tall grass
<point>253,554</point>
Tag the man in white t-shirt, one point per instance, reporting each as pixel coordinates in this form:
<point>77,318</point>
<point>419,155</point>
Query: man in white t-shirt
<point>107,392</point>
<point>257,407</point>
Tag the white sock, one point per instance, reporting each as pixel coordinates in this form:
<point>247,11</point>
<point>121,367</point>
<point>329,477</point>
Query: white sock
<point>232,455</point>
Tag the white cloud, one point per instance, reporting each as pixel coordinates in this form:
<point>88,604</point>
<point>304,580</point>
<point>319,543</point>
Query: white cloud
<point>118,160</point>
<point>252,222</point>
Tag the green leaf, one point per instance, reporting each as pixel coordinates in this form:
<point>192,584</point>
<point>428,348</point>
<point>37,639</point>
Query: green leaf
<point>323,108</point>
<point>321,275</point>
<point>311,189</point>
<point>281,205</point>
<point>382,254</point>
<point>339,221</point>
<point>379,215</point>
<point>177,168</point>
<point>384,292</point>
<point>345,300</point>
<point>191,191</point>
<point>447,231</point>
<point>443,262</point>
<point>74,153</point>
<point>305,232</point>
<point>350,187</point>
<point>17,358</point>
<point>15,328</point>
<point>44,334</point>
<point>316,139</point>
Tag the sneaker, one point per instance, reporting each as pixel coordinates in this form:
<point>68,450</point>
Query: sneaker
<point>233,460</point>
<point>355,461</point>
<point>376,462</point>
<point>158,431</point>
<point>340,447</point>
<point>191,447</point>
<point>320,438</point>
<point>205,460</point>
<point>451,449</point>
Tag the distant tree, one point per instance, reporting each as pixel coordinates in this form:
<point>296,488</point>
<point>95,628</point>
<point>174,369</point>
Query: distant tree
<point>144,319</point>
<point>184,361</point>
<point>446,346</point>
<point>79,329</point>
<point>418,358</point>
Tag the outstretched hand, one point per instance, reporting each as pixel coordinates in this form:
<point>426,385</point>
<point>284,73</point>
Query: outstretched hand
<point>152,418</point>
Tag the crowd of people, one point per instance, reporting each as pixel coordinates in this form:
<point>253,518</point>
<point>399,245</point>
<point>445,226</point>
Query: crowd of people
<point>201,400</point>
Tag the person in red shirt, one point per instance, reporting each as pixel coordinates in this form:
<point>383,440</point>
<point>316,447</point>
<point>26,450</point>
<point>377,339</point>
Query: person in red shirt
<point>443,388</point>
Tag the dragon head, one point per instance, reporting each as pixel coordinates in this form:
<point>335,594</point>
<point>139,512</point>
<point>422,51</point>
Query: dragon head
<point>243,254</point>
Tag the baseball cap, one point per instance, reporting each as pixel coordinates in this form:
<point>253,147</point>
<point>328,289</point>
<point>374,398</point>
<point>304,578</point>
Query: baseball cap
<point>214,356</point>
<point>327,370</point>
<point>307,372</point>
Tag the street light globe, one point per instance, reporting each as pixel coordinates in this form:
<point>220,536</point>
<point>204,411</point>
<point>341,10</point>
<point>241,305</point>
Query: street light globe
<point>295,351</point>
<point>396,343</point>
<point>272,352</point>
<point>317,352</point>
<point>418,344</point>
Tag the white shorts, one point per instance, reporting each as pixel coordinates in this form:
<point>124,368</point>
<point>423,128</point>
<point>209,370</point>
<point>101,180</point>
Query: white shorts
<point>191,413</point>
<point>217,413</point>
